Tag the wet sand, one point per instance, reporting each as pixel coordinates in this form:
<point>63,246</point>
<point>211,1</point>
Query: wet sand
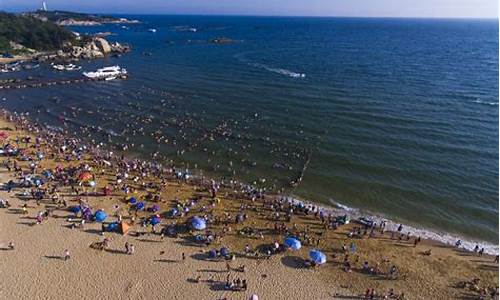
<point>35,268</point>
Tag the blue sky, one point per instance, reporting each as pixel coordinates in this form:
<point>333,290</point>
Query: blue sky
<point>362,8</point>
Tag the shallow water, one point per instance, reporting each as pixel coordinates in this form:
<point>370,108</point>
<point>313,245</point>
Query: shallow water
<point>398,116</point>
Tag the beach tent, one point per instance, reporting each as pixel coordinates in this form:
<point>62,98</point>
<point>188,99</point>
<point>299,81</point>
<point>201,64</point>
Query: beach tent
<point>198,223</point>
<point>254,297</point>
<point>100,216</point>
<point>123,228</point>
<point>75,209</point>
<point>317,256</point>
<point>112,227</point>
<point>293,243</point>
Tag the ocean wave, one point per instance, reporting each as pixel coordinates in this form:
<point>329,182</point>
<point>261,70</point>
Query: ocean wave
<point>425,233</point>
<point>485,102</point>
<point>278,70</point>
<point>241,57</point>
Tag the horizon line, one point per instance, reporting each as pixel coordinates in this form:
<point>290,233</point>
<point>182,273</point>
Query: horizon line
<point>270,15</point>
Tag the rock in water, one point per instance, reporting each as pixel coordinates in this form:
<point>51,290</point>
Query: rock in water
<point>103,45</point>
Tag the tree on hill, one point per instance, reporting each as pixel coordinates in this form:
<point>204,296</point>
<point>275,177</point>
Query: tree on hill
<point>32,33</point>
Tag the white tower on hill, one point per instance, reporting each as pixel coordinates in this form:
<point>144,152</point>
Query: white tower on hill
<point>44,6</point>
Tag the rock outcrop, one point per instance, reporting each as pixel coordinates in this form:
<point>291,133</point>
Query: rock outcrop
<point>103,45</point>
<point>97,47</point>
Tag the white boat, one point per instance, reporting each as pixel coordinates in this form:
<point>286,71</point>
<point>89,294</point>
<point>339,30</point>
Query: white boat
<point>69,67</point>
<point>109,72</point>
<point>152,30</point>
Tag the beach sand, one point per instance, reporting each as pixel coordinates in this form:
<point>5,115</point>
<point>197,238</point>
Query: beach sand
<point>35,268</point>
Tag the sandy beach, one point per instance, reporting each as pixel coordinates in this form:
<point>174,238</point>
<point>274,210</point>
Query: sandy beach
<point>388,265</point>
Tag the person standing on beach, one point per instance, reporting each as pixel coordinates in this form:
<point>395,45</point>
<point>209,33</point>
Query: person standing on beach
<point>66,255</point>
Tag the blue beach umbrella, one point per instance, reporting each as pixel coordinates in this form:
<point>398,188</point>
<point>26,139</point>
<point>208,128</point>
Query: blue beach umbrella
<point>317,256</point>
<point>212,253</point>
<point>132,200</point>
<point>155,208</point>
<point>173,212</point>
<point>224,251</point>
<point>140,206</point>
<point>198,223</point>
<point>155,220</point>
<point>100,216</point>
<point>293,243</point>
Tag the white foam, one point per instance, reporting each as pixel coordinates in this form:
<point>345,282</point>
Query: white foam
<point>485,102</point>
<point>278,70</point>
<point>425,233</point>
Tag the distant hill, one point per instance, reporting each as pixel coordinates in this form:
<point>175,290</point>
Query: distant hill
<point>73,18</point>
<point>18,31</point>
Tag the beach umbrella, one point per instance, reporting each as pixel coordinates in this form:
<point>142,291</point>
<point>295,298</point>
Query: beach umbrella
<point>87,213</point>
<point>140,206</point>
<point>254,297</point>
<point>212,253</point>
<point>155,220</point>
<point>100,216</point>
<point>155,208</point>
<point>317,256</point>
<point>3,135</point>
<point>293,243</point>
<point>132,200</point>
<point>198,223</point>
<point>75,209</point>
<point>85,176</point>
<point>47,173</point>
<point>240,218</point>
<point>173,212</point>
<point>224,251</point>
<point>92,183</point>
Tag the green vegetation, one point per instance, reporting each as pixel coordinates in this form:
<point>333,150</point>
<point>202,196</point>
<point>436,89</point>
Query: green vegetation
<point>31,33</point>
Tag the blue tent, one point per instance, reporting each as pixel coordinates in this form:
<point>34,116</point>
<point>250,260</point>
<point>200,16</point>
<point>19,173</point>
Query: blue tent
<point>75,209</point>
<point>293,243</point>
<point>317,256</point>
<point>112,227</point>
<point>198,223</point>
<point>132,200</point>
<point>100,216</point>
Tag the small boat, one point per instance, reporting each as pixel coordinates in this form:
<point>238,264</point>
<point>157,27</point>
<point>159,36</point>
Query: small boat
<point>69,67</point>
<point>107,73</point>
<point>153,30</point>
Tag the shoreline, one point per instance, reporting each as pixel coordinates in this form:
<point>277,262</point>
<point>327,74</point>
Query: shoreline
<point>438,236</point>
<point>425,269</point>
